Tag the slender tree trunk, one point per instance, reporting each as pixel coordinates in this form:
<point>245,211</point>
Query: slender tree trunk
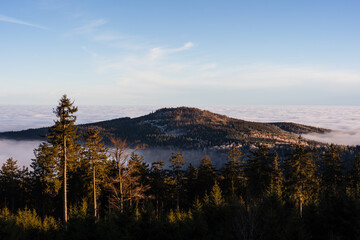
<point>130,196</point>
<point>65,187</point>
<point>232,187</point>
<point>300,206</point>
<point>121,188</point>
<point>94,186</point>
<point>157,206</point>
<point>178,200</point>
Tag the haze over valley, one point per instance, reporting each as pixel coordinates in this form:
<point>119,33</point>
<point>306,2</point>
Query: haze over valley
<point>341,119</point>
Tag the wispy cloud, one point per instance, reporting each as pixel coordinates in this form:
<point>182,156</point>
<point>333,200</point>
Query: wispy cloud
<point>159,51</point>
<point>194,73</point>
<point>8,19</point>
<point>278,75</point>
<point>94,54</point>
<point>87,28</point>
<point>106,37</point>
<point>137,71</point>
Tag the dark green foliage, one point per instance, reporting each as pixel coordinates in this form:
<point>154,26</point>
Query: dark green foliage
<point>96,165</point>
<point>259,172</point>
<point>45,179</point>
<point>332,173</point>
<point>277,178</point>
<point>14,185</point>
<point>191,185</point>
<point>206,176</point>
<point>300,173</point>
<point>354,177</point>
<point>177,162</point>
<point>254,196</point>
<point>233,173</point>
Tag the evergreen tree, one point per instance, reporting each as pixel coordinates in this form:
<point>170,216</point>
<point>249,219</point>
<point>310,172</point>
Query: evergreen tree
<point>206,175</point>
<point>10,184</point>
<point>258,171</point>
<point>157,182</point>
<point>354,178</point>
<point>191,183</point>
<point>277,178</point>
<point>301,178</point>
<point>137,177</point>
<point>233,172</point>
<point>46,182</point>
<point>95,153</point>
<point>216,195</point>
<point>62,136</point>
<point>177,162</point>
<point>332,171</point>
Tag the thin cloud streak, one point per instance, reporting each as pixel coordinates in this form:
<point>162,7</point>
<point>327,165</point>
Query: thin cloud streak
<point>87,28</point>
<point>159,51</point>
<point>4,18</point>
<point>141,69</point>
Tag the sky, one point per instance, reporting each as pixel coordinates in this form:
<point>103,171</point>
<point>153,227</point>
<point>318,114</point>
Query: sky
<point>120,52</point>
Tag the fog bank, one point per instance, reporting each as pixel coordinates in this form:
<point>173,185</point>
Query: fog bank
<point>344,120</point>
<point>336,137</point>
<point>22,151</point>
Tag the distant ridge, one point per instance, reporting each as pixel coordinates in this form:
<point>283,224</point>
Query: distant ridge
<point>187,127</point>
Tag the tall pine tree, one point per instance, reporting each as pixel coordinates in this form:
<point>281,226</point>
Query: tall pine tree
<point>301,178</point>
<point>62,136</point>
<point>177,162</point>
<point>95,154</point>
<point>332,172</point>
<point>234,176</point>
<point>258,171</point>
<point>206,175</point>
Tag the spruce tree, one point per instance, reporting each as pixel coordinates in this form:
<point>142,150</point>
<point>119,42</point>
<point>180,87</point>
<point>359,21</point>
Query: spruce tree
<point>10,183</point>
<point>258,171</point>
<point>216,195</point>
<point>332,172</point>
<point>177,162</point>
<point>157,182</point>
<point>191,183</point>
<point>234,177</point>
<point>301,178</point>
<point>62,136</point>
<point>95,154</point>
<point>354,178</point>
<point>277,178</point>
<point>206,175</point>
<point>46,182</point>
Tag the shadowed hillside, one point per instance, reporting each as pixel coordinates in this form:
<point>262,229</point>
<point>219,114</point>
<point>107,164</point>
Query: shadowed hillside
<point>188,128</point>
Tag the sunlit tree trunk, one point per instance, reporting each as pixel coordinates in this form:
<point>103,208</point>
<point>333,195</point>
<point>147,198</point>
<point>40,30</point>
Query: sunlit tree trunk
<point>65,187</point>
<point>94,187</point>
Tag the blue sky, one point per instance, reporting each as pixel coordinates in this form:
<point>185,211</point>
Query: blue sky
<point>180,52</point>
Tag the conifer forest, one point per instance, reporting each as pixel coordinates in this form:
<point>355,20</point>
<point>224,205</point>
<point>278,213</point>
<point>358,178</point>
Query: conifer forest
<point>78,187</point>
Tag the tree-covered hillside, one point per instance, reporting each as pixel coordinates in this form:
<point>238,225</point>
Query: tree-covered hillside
<point>185,127</point>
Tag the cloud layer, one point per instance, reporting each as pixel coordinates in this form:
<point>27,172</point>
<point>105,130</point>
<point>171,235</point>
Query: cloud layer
<point>21,151</point>
<point>344,120</point>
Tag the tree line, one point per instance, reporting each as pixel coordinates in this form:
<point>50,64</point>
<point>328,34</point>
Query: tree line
<point>81,189</point>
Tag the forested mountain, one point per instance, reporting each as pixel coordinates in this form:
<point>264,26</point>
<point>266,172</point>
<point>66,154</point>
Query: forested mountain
<point>188,128</point>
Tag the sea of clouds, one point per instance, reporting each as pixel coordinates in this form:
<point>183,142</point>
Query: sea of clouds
<point>343,120</point>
